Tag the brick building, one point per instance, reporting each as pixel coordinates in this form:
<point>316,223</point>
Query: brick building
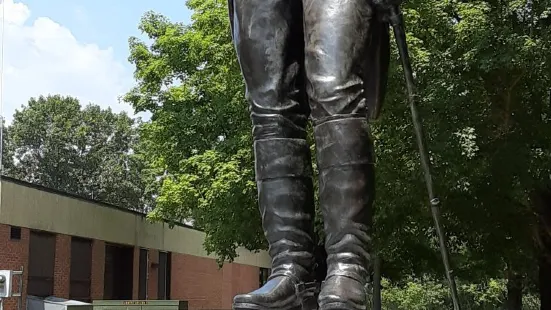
<point>74,248</point>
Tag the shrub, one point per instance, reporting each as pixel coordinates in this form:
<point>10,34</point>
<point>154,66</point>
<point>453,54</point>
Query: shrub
<point>428,294</point>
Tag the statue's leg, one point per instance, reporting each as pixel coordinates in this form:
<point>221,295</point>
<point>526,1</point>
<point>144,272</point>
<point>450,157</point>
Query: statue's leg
<point>269,44</point>
<point>336,37</point>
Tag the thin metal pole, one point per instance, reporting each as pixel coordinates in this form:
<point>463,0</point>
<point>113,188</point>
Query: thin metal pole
<point>377,302</point>
<point>20,286</point>
<point>2,43</point>
<point>396,20</point>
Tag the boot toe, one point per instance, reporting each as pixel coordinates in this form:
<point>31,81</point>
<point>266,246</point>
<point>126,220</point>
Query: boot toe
<point>342,293</point>
<point>278,293</point>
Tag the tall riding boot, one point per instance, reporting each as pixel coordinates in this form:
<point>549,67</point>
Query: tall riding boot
<point>285,194</point>
<point>345,162</point>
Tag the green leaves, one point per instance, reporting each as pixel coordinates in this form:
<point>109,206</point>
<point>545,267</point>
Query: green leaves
<point>216,193</point>
<point>198,143</point>
<point>433,295</point>
<point>483,73</point>
<point>88,152</point>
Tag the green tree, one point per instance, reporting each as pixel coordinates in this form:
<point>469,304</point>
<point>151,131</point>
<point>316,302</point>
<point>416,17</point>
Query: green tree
<point>428,294</point>
<point>56,143</point>
<point>198,141</point>
<point>483,71</point>
<point>7,152</point>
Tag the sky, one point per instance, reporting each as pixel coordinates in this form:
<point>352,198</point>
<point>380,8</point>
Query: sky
<point>73,47</point>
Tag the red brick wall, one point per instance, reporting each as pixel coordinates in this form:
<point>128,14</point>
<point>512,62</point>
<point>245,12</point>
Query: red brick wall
<point>98,269</point>
<point>242,279</point>
<point>195,279</point>
<point>199,281</point>
<point>62,266</point>
<point>13,256</point>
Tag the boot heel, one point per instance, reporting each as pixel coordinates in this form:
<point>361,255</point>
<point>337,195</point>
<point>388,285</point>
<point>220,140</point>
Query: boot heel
<point>337,306</point>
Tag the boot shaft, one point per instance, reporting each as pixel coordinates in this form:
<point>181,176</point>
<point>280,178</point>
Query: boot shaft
<point>286,203</point>
<point>346,187</point>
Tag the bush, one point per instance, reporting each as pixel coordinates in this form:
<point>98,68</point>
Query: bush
<point>427,294</point>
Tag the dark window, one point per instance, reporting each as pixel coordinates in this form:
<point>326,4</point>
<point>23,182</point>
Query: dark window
<point>142,284</point>
<point>15,233</point>
<point>41,264</point>
<point>168,276</point>
<point>263,276</point>
<point>81,269</point>
<point>164,276</point>
<point>119,270</point>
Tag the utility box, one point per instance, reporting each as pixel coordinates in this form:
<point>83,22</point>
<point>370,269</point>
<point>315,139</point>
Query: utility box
<point>5,283</point>
<point>140,305</point>
<point>55,303</point>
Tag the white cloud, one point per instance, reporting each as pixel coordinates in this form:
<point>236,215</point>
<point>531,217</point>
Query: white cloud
<point>43,57</point>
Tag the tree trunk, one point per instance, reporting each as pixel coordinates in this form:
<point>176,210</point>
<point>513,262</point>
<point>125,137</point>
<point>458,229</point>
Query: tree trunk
<point>514,291</point>
<point>543,206</point>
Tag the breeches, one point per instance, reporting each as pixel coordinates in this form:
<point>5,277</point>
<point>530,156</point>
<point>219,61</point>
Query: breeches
<point>301,59</point>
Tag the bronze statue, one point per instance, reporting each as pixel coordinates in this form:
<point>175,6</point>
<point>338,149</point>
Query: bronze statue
<point>324,60</point>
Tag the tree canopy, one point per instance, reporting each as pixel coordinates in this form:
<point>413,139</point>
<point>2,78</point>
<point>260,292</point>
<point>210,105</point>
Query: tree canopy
<point>483,70</point>
<point>55,142</point>
<point>199,139</point>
